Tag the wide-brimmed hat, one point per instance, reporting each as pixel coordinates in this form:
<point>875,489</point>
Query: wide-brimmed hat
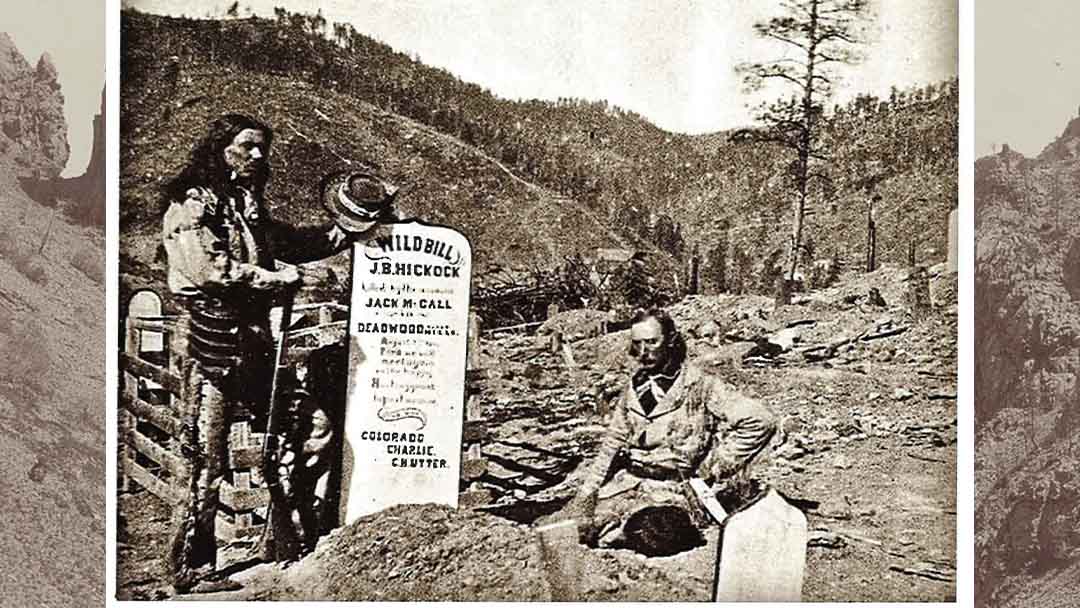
<point>357,200</point>
<point>660,531</point>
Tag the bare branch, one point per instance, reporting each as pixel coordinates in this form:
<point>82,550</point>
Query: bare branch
<point>787,40</point>
<point>822,58</point>
<point>837,35</point>
<point>765,74</point>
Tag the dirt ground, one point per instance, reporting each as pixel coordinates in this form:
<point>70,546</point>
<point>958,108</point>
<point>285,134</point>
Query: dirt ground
<point>867,450</point>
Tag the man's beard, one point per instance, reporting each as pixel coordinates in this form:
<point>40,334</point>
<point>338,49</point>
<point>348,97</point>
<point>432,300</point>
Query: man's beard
<point>654,363</point>
<point>245,176</point>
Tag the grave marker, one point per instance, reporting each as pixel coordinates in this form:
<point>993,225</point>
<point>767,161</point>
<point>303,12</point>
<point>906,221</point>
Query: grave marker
<point>408,332</point>
<point>147,304</point>
<point>763,553</point>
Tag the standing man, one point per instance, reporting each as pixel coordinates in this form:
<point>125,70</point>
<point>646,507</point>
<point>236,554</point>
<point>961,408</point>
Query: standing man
<point>673,423</point>
<point>221,247</point>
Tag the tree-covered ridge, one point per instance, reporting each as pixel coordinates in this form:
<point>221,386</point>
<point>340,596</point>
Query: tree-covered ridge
<point>673,190</point>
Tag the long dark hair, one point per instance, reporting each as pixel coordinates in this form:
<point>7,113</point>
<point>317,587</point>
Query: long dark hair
<point>206,166</point>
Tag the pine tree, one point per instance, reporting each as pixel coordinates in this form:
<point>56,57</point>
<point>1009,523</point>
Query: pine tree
<point>818,35</point>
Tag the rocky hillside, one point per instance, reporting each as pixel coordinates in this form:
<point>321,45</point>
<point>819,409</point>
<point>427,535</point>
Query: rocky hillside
<point>33,133</point>
<point>52,345</point>
<point>52,417</point>
<point>82,196</point>
<point>1027,361</point>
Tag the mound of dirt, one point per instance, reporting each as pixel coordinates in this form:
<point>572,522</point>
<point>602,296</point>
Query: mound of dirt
<point>434,553</point>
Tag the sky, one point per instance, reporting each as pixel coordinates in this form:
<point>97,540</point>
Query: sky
<point>1027,73</point>
<point>672,62</point>
<point>73,33</point>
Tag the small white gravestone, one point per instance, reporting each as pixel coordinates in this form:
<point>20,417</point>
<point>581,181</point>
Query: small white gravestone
<point>408,332</point>
<point>147,304</point>
<point>763,553</point>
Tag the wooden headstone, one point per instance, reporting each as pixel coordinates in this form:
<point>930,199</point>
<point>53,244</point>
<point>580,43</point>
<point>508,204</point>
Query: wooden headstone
<point>953,254</point>
<point>408,329</point>
<point>763,553</point>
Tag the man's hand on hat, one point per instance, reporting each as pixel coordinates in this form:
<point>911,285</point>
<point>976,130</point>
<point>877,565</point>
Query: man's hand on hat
<point>358,201</point>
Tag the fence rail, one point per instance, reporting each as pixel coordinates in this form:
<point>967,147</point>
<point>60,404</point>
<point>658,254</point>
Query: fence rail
<point>152,414</point>
<point>153,410</point>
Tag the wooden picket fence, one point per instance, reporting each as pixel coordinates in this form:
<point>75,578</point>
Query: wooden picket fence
<point>152,410</point>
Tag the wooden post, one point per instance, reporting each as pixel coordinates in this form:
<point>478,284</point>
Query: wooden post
<point>473,464</point>
<point>871,254</point>
<point>125,421</point>
<point>124,424</point>
<point>175,340</point>
<point>694,286</point>
<point>132,338</point>
<point>473,349</point>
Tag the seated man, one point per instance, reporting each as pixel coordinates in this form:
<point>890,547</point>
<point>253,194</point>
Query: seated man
<point>672,423</point>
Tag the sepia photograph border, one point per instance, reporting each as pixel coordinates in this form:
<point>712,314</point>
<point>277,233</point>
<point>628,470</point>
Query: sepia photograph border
<point>965,364</point>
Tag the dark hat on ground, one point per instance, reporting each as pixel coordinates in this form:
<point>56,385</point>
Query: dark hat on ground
<point>356,200</point>
<point>660,531</point>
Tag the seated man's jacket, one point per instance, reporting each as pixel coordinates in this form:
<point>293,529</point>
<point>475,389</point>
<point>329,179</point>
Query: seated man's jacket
<point>702,427</point>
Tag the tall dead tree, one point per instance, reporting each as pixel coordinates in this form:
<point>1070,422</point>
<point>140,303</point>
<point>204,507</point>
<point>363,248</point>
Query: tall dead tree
<point>817,36</point>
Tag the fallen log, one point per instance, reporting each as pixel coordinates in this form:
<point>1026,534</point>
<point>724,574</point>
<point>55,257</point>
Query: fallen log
<point>887,333</point>
<point>520,326</point>
<point>925,458</point>
<point>822,352</point>
<point>926,570</point>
